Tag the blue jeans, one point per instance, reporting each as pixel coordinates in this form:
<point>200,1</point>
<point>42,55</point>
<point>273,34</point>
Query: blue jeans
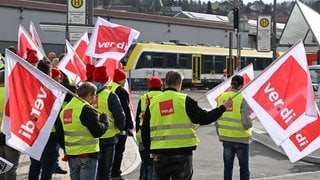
<point>146,167</point>
<point>83,168</point>
<point>47,163</point>
<point>230,149</point>
<point>106,157</point>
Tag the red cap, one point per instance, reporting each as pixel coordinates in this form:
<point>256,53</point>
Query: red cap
<point>100,74</point>
<point>119,75</point>
<point>154,82</point>
<point>90,69</point>
<point>32,56</point>
<point>55,73</point>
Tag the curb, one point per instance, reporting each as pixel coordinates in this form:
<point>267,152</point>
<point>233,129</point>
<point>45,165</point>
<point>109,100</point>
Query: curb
<point>133,150</point>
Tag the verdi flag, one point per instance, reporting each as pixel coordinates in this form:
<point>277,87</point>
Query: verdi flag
<point>282,95</point>
<point>303,142</point>
<point>110,40</point>
<point>73,66</point>
<point>32,103</point>
<point>80,48</point>
<point>25,42</point>
<point>212,95</point>
<point>35,37</point>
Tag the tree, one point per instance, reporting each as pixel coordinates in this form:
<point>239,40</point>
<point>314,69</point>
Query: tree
<point>316,6</point>
<point>209,8</point>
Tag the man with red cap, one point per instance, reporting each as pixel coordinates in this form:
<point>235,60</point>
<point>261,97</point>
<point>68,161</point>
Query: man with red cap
<point>56,75</point>
<point>108,102</point>
<point>32,56</point>
<point>89,71</point>
<point>155,88</point>
<point>117,86</point>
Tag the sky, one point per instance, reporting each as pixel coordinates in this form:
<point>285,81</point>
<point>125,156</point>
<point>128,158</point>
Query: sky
<point>246,1</point>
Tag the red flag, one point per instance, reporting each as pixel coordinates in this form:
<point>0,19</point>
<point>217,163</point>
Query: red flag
<point>81,46</point>
<point>37,98</point>
<point>35,37</point>
<point>25,42</point>
<point>110,40</point>
<point>72,65</point>
<point>303,142</point>
<point>212,95</point>
<point>282,95</point>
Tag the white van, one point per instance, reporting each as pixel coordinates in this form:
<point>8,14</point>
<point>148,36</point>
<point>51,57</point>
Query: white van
<point>315,78</point>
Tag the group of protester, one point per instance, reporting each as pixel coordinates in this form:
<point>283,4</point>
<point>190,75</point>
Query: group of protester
<point>166,133</point>
<point>92,127</point>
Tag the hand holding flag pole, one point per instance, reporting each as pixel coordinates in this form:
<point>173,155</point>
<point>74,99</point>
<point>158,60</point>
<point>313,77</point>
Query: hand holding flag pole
<point>227,104</point>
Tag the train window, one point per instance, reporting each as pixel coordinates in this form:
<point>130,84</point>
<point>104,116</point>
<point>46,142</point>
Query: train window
<point>172,60</point>
<point>185,61</point>
<point>219,63</point>
<point>207,64</point>
<point>159,60</point>
<point>259,64</point>
<point>144,61</point>
<point>242,62</point>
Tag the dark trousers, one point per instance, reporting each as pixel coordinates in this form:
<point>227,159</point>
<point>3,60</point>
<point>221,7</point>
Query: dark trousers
<point>174,167</point>
<point>120,147</point>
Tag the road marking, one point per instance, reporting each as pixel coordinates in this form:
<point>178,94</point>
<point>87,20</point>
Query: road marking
<point>287,175</point>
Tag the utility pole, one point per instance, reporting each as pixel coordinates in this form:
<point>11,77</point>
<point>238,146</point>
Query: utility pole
<point>90,12</point>
<point>274,30</point>
<point>229,60</point>
<point>236,28</point>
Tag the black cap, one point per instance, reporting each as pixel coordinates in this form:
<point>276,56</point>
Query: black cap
<point>237,79</point>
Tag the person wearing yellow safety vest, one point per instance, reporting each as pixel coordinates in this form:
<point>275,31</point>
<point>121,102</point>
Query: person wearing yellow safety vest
<point>6,152</point>
<point>155,88</point>
<point>81,129</point>
<point>108,102</point>
<point>117,86</point>
<point>168,132</point>
<point>234,130</point>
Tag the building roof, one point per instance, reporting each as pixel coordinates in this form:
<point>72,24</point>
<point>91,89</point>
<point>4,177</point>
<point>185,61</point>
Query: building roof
<point>224,19</point>
<point>303,23</point>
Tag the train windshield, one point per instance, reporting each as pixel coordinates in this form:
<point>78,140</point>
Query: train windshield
<point>124,60</point>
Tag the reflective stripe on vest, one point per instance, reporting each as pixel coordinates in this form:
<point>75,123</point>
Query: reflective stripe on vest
<point>144,101</point>
<point>229,124</point>
<point>102,105</point>
<point>78,139</point>
<point>170,127</point>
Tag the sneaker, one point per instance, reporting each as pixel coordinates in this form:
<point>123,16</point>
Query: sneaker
<point>59,170</point>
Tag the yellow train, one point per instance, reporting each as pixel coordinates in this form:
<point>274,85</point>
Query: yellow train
<point>201,66</point>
